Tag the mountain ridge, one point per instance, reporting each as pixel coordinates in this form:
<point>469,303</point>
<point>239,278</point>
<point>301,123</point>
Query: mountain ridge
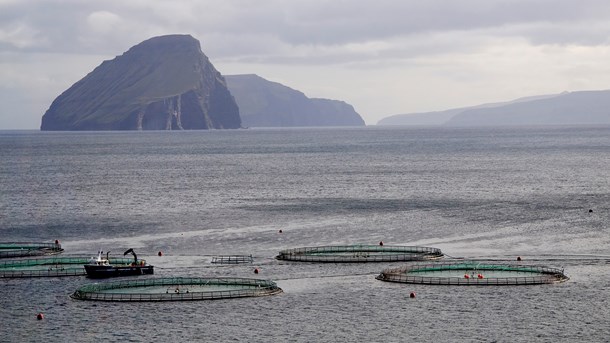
<point>568,108</point>
<point>265,103</point>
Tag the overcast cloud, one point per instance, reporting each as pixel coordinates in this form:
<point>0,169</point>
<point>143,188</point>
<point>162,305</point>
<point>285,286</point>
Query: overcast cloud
<point>383,57</point>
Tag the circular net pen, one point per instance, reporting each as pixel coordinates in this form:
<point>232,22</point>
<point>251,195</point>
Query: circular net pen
<point>473,273</point>
<point>177,289</point>
<point>232,259</point>
<point>49,267</point>
<point>19,249</point>
<point>360,253</point>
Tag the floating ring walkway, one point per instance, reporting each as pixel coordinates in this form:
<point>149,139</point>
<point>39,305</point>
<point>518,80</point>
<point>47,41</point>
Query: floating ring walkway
<point>360,253</point>
<point>176,289</point>
<point>473,273</point>
<point>49,267</point>
<point>21,249</point>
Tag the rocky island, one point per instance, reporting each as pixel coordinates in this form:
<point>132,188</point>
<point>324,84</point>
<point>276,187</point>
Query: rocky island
<point>163,83</point>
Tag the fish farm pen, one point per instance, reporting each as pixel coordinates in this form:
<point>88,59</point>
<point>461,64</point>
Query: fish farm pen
<point>49,267</point>
<point>232,259</point>
<point>176,289</point>
<point>18,249</point>
<point>473,273</point>
<point>360,253</point>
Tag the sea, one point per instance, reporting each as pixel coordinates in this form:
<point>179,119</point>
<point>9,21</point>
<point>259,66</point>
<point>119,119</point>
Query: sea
<point>482,194</point>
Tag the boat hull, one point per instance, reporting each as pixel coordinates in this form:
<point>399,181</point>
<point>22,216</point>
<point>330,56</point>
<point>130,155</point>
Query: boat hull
<point>99,272</point>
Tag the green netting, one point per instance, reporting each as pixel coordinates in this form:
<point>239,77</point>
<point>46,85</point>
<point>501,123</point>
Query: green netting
<point>232,259</point>
<point>360,253</point>
<point>53,266</point>
<point>25,249</point>
<point>176,289</point>
<point>473,273</point>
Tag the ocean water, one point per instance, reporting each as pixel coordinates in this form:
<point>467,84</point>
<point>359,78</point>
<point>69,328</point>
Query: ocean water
<point>479,193</point>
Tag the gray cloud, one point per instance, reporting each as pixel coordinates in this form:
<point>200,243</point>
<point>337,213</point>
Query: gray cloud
<point>431,43</point>
<point>77,26</point>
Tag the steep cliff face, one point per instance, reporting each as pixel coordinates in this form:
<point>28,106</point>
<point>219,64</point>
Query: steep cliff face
<point>162,83</point>
<point>263,103</point>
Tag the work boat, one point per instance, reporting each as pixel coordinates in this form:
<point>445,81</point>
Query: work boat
<point>100,267</point>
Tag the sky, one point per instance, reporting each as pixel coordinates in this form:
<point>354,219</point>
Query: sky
<point>383,57</point>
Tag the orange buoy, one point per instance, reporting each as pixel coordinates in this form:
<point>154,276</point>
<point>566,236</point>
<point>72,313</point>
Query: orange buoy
<point>412,295</point>
<point>381,243</point>
<point>40,316</point>
<point>466,276</point>
<point>160,253</point>
<point>255,270</point>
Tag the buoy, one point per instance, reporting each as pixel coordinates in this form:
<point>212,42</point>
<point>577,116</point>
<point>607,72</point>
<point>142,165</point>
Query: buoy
<point>480,276</point>
<point>590,211</point>
<point>40,316</point>
<point>255,270</point>
<point>466,276</point>
<point>518,258</point>
<point>412,295</point>
<point>381,243</point>
<point>160,253</point>
<point>281,231</point>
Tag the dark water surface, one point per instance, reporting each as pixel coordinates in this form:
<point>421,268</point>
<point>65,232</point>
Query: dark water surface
<point>475,193</point>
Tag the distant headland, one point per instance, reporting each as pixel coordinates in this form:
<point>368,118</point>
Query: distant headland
<point>568,108</point>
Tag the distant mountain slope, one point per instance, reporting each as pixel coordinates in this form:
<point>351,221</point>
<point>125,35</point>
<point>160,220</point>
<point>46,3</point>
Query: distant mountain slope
<point>162,83</point>
<point>263,103</point>
<point>576,108</point>
<point>424,118</point>
<point>568,108</point>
